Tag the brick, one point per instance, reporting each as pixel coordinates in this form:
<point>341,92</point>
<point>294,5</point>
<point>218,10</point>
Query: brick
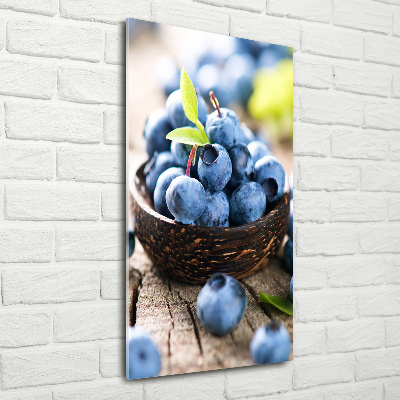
<point>90,243</point>
<point>50,366</point>
<point>358,207</point>
<point>285,32</point>
<point>390,1</point>
<point>27,78</point>
<point>311,140</point>
<point>111,355</point>
<point>377,364</point>
<point>54,39</point>
<point>327,107</point>
<point>363,78</point>
<point>26,244</point>
<point>257,5</point>
<point>264,380</point>
<point>396,83</point>
<point>311,206</point>
<point>396,23</point>
<point>375,17</point>
<point>309,273</point>
<point>104,11</point>
<point>2,33</point>
<point>379,301</point>
<point>312,72</point>
<point>381,49</point>
<point>380,238</point>
<point>330,175</point>
<point>354,335</point>
<point>114,126</point>
<point>31,395</point>
<point>92,84</point>
<point>91,164</point>
<point>190,15</point>
<point>26,162</point>
<point>101,391</point>
<point>2,123</point>
<point>113,203</point>
<point>331,41</point>
<point>114,52</point>
<point>382,114</point>
<point>53,122</point>
<point>49,285</point>
<point>295,395</point>
<point>309,339</point>
<point>356,271</point>
<point>311,10</point>
<point>368,391</point>
<point>393,276</point>
<point>394,207</point>
<point>392,389</point>
<point>392,327</point>
<point>394,146</point>
<point>327,240</point>
<point>81,324</point>
<point>112,285</point>
<point>49,202</point>
<point>317,306</point>
<point>45,7</point>
<point>355,143</point>
<point>381,177</point>
<point>322,370</point>
<point>15,324</point>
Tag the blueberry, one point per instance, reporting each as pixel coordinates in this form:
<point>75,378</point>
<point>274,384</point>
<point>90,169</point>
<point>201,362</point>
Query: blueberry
<point>181,154</point>
<point>290,225</point>
<point>247,203</point>
<point>163,182</point>
<point>186,199</point>
<point>270,344</point>
<point>215,167</point>
<point>246,136</point>
<point>144,357</point>
<point>209,77</point>
<point>242,165</point>
<point>155,131</point>
<point>288,256</point>
<point>291,288</point>
<point>155,167</point>
<point>216,211</point>
<point>221,304</point>
<point>131,242</point>
<point>239,68</point>
<point>223,129</point>
<point>176,114</point>
<point>258,150</point>
<point>269,173</point>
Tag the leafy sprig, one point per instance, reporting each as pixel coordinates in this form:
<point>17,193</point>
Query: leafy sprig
<point>189,135</point>
<point>280,303</point>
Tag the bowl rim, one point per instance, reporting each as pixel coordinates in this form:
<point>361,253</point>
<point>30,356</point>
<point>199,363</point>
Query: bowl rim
<point>133,177</point>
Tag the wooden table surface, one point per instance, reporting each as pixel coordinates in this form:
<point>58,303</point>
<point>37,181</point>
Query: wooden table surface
<point>167,309</point>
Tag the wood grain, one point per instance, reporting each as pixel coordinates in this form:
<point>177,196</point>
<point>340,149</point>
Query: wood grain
<point>167,309</point>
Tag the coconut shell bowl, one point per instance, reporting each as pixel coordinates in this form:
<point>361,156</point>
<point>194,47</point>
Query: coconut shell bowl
<point>192,254</point>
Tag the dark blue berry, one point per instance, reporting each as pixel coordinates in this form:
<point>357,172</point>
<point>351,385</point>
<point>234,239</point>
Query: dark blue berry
<point>216,211</point>
<point>223,129</point>
<point>246,136</point>
<point>247,203</point>
<point>131,241</point>
<point>155,131</point>
<point>186,199</point>
<point>258,150</point>
<point>288,256</point>
<point>242,165</point>
<point>215,167</point>
<point>155,167</point>
<point>221,304</point>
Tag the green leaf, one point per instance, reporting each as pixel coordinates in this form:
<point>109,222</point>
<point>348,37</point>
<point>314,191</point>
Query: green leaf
<point>188,136</point>
<point>281,303</point>
<point>189,98</point>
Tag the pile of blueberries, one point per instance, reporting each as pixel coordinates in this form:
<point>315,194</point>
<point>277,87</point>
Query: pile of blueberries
<point>223,64</point>
<point>234,180</point>
<point>221,304</point>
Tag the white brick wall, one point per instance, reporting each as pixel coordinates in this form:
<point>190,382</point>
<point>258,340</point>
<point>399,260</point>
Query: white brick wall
<point>62,172</point>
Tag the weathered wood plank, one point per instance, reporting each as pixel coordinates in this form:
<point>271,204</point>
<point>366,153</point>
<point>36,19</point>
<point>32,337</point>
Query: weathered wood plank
<point>167,309</point>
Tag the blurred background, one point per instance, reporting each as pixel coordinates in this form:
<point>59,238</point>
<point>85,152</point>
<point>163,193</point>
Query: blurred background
<point>254,79</point>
